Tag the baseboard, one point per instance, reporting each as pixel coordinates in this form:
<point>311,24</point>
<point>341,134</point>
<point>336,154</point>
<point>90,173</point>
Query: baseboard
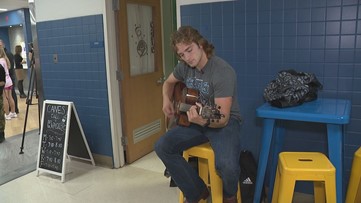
<point>103,161</point>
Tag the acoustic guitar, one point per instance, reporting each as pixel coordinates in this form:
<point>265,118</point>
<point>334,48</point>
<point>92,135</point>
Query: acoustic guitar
<point>183,99</point>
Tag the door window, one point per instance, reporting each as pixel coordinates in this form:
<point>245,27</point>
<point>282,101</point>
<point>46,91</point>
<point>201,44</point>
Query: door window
<point>141,39</point>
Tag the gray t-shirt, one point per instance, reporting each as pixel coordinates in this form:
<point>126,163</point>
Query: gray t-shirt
<point>217,79</point>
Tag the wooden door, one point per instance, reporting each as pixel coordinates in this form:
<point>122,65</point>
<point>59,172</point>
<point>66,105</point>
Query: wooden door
<point>141,68</point>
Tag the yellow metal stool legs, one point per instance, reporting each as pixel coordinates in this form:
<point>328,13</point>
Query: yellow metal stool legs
<point>304,166</point>
<point>207,171</point>
<point>354,186</point>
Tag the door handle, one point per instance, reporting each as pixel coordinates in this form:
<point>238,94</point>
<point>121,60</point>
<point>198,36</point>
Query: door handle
<point>161,80</point>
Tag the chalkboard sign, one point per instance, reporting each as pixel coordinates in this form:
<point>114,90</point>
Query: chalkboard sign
<point>61,136</point>
<point>53,133</point>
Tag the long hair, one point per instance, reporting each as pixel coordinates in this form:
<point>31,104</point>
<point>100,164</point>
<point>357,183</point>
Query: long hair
<point>3,55</point>
<point>187,35</point>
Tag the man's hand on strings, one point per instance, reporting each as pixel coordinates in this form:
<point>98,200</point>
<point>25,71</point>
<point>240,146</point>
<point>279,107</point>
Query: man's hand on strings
<point>168,108</point>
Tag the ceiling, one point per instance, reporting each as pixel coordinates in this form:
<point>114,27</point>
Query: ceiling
<point>13,4</point>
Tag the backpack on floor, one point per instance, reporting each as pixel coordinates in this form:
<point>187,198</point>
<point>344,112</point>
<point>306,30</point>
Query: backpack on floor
<point>247,178</point>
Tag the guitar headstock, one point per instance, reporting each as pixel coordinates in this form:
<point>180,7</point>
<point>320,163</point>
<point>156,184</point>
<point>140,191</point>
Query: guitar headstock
<point>211,112</point>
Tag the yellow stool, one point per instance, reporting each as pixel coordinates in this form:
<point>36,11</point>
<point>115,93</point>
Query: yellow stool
<point>207,171</point>
<point>304,166</point>
<point>354,185</point>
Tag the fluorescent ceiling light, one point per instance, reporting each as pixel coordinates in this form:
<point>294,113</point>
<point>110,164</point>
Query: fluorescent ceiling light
<point>3,9</point>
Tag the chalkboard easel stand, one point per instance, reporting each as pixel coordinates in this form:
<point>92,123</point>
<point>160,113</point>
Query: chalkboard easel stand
<point>62,137</point>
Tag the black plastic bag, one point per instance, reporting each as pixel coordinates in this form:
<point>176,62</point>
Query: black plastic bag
<point>292,88</point>
<point>247,178</point>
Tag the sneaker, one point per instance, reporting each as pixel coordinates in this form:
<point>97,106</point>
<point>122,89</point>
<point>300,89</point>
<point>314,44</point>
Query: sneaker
<point>13,115</point>
<point>8,117</point>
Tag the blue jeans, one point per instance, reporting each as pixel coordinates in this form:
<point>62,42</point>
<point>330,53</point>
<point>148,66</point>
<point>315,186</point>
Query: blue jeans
<point>226,145</point>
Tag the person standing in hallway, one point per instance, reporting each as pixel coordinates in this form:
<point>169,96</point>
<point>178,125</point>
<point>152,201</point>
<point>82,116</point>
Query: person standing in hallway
<point>2,116</point>
<point>7,97</point>
<point>20,75</point>
<point>216,83</point>
<point>12,74</point>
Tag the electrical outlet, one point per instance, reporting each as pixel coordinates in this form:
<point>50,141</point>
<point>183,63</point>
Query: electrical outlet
<point>55,58</point>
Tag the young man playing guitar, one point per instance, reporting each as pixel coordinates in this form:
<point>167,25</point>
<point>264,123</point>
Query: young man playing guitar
<point>216,83</point>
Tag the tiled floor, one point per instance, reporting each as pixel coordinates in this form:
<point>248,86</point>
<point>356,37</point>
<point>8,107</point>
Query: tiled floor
<point>140,182</point>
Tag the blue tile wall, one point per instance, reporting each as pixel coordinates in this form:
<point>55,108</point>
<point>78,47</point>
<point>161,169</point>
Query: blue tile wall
<point>80,73</point>
<point>261,37</point>
<point>4,35</point>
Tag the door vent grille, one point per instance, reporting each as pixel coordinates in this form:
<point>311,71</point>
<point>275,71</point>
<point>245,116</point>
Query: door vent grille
<point>145,131</point>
